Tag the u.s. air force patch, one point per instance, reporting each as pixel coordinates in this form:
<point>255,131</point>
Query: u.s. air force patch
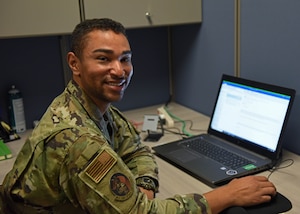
<point>120,186</point>
<point>99,167</point>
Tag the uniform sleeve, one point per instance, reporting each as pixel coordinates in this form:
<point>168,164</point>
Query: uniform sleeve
<point>136,156</point>
<point>97,180</point>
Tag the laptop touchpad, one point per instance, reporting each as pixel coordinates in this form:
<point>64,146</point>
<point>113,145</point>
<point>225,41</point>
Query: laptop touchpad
<point>183,155</point>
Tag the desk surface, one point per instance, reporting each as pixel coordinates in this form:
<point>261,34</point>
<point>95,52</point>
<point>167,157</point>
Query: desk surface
<point>173,180</point>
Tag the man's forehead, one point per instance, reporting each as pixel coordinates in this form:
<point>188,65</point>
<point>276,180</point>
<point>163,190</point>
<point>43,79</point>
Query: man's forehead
<point>107,40</point>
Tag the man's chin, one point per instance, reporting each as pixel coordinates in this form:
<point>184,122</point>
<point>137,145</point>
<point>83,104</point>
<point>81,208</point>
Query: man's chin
<point>116,98</point>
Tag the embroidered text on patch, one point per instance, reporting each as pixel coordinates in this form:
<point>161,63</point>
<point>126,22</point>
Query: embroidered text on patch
<point>98,168</point>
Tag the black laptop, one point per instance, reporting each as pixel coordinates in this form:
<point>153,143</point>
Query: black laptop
<point>245,133</point>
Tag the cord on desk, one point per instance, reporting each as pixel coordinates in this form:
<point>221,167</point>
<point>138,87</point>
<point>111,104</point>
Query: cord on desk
<point>176,132</point>
<point>193,129</point>
<point>136,124</point>
<point>275,168</point>
<point>184,131</point>
<point>179,120</point>
<point>169,100</point>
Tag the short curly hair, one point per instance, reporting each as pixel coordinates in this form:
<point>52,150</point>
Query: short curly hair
<point>85,27</point>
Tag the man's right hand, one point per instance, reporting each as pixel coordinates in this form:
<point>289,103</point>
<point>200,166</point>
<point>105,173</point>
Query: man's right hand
<point>246,191</point>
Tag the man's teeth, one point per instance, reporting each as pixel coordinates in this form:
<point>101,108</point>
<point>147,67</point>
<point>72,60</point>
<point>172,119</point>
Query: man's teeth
<point>117,84</point>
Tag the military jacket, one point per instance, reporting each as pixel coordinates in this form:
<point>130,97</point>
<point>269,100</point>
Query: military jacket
<point>72,163</point>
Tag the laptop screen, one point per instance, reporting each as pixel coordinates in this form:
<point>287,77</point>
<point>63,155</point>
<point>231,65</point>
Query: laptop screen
<point>250,113</point>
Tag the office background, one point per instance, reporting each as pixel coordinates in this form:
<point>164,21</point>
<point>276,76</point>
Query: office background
<point>200,54</point>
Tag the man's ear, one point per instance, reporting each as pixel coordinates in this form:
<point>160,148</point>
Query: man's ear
<point>73,63</point>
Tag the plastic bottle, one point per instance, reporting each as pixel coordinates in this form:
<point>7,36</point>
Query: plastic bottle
<point>16,110</point>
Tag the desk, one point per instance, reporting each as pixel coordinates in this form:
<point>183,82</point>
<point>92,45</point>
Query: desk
<point>173,180</point>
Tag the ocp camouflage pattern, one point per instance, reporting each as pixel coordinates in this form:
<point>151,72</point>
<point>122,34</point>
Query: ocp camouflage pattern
<point>68,165</point>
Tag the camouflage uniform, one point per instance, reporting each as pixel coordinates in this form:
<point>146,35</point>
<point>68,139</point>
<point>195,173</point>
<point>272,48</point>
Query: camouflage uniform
<point>71,164</point>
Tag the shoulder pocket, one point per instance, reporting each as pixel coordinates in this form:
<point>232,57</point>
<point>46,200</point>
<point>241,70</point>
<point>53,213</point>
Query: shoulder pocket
<point>108,176</point>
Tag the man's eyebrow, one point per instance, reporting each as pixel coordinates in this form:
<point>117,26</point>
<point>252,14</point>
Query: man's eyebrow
<point>108,51</point>
<point>127,52</point>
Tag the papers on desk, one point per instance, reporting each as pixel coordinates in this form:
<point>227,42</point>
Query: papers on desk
<point>5,152</point>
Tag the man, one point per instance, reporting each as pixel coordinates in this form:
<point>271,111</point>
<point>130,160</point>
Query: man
<point>85,157</point>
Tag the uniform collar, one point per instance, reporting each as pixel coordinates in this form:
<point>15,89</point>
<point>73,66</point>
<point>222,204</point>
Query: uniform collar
<point>90,107</point>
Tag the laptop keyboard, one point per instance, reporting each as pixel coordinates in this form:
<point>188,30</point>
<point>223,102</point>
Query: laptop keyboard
<point>216,153</point>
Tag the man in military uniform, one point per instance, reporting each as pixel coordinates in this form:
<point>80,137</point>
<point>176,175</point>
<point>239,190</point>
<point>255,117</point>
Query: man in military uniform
<point>85,157</point>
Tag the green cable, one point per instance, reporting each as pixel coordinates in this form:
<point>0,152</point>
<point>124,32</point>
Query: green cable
<point>180,120</point>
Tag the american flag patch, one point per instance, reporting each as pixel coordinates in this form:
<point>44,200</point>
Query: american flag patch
<point>99,167</point>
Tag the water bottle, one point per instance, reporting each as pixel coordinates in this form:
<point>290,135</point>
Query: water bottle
<point>16,110</point>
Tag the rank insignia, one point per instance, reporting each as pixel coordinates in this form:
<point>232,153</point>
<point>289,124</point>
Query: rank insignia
<point>120,186</point>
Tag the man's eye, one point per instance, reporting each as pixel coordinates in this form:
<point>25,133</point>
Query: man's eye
<point>102,58</point>
<point>126,59</point>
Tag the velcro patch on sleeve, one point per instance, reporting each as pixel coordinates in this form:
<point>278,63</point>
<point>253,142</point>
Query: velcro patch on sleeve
<point>99,167</point>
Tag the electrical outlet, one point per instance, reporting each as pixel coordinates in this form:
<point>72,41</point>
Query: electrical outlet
<point>166,116</point>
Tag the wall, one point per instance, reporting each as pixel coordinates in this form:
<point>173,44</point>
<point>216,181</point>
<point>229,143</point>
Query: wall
<point>34,65</point>
<point>270,52</point>
<point>150,82</point>
<point>201,53</point>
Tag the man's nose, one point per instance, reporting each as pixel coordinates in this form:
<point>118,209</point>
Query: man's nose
<point>117,69</point>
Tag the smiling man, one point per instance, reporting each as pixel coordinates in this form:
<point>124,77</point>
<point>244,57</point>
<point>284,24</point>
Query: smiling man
<point>85,157</point>
<point>103,68</point>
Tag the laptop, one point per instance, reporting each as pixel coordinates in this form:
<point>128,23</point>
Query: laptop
<point>244,136</point>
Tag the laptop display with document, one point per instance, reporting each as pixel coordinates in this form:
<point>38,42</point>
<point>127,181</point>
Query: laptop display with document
<point>244,135</point>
